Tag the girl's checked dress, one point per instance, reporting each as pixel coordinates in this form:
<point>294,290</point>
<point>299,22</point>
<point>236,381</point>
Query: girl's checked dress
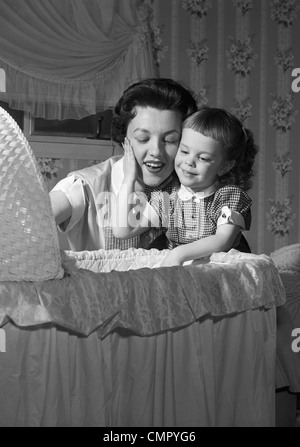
<point>189,216</point>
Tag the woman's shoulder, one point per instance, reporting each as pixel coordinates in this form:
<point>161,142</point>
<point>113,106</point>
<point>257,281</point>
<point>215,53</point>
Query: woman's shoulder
<point>93,172</point>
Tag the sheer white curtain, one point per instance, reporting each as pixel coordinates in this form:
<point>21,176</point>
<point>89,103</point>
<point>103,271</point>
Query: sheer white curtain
<point>71,58</point>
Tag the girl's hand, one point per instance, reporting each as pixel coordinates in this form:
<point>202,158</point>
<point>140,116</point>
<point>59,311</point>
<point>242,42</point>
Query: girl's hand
<point>171,259</point>
<point>130,165</point>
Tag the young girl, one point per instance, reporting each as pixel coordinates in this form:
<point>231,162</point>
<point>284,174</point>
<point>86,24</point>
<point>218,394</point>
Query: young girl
<point>214,164</point>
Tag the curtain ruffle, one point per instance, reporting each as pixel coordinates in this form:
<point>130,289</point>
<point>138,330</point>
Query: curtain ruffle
<point>68,60</point>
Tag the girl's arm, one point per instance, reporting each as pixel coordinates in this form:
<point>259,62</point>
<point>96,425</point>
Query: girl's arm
<point>221,241</point>
<point>126,223</point>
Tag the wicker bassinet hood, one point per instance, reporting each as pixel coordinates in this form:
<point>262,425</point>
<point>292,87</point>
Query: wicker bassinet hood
<point>28,236</point>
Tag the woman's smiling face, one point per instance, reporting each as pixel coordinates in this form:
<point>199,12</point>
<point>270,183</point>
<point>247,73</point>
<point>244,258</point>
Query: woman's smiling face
<point>154,136</point>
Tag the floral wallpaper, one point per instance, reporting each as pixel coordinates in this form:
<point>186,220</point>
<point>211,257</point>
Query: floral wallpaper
<point>240,54</point>
<point>49,167</point>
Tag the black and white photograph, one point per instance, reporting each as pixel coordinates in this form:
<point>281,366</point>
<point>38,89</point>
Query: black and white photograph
<point>132,299</point>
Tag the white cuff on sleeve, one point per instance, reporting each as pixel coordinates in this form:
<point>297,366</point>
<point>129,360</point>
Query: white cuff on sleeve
<point>231,217</point>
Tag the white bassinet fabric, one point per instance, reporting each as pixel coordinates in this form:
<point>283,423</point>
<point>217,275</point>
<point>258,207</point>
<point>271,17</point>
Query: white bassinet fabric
<point>216,372</point>
<point>288,334</point>
<point>100,261</point>
<point>131,345</point>
<point>287,260</point>
<point>145,300</point>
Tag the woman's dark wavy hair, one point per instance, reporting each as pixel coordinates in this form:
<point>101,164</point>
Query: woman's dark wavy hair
<point>159,93</point>
<point>237,141</point>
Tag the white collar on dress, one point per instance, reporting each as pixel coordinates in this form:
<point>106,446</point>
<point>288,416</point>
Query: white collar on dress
<point>185,193</point>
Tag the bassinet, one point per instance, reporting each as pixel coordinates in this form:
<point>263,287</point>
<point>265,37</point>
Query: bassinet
<point>107,340</point>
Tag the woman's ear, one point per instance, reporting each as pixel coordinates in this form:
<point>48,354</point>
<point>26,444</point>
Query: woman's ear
<point>227,166</point>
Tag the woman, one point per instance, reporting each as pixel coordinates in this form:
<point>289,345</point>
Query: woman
<point>150,114</point>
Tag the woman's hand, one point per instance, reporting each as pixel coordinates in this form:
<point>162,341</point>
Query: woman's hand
<point>130,165</point>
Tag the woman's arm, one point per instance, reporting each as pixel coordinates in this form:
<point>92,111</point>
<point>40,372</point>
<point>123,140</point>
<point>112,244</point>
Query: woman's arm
<point>61,206</point>
<point>221,241</point>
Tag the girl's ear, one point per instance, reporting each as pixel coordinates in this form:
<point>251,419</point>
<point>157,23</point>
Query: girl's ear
<point>228,165</point>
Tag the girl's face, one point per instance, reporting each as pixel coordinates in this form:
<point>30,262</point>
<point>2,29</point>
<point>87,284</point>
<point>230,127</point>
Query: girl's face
<point>199,160</point>
<point>154,136</point>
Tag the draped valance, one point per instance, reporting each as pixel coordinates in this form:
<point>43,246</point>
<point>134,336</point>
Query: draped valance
<point>69,59</point>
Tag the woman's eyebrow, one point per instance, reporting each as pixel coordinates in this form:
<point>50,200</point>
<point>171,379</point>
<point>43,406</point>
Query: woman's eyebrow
<point>140,129</point>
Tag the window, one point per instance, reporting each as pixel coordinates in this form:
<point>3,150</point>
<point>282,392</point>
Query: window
<point>93,127</point>
<point>74,140</point>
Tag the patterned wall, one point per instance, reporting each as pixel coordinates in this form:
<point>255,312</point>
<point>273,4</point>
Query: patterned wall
<point>239,54</point>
